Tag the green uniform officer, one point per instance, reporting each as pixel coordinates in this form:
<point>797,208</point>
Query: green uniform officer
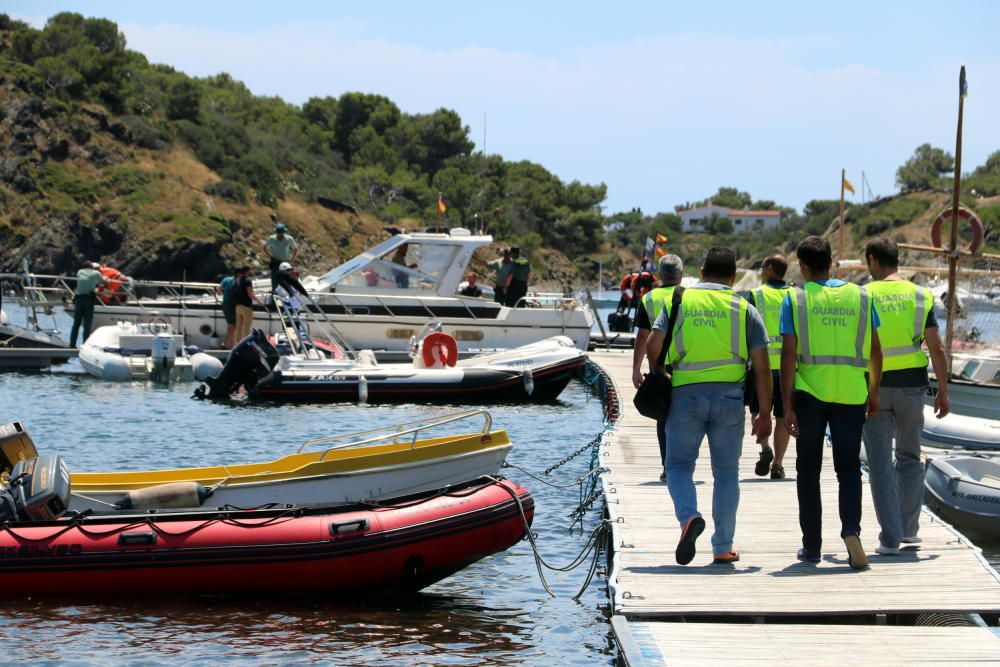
<point>829,344</point>
<point>907,318</point>
<point>281,247</point>
<point>87,280</point>
<point>520,271</point>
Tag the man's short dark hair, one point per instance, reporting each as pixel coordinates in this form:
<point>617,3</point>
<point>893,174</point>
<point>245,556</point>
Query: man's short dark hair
<point>778,264</point>
<point>815,253</point>
<point>884,250</point>
<point>720,262</point>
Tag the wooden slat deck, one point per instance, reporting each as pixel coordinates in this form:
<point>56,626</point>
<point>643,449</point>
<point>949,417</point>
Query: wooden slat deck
<point>696,644</point>
<point>946,572</point>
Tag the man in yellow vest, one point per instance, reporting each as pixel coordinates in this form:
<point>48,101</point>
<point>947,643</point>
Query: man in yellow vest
<point>907,316</point>
<point>831,362</point>
<point>767,300</point>
<point>715,333</point>
<point>670,269</point>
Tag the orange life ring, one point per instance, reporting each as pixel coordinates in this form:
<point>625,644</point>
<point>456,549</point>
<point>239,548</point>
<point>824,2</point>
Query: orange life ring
<point>628,281</point>
<point>438,350</point>
<point>965,214</point>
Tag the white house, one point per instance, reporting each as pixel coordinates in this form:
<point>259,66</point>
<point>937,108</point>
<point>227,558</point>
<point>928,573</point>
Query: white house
<point>744,220</point>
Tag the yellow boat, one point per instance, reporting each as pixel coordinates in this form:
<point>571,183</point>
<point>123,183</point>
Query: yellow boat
<point>379,464</point>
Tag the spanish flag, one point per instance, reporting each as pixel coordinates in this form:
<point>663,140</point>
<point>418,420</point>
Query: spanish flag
<point>660,238</point>
<point>848,186</point>
<point>442,208</point>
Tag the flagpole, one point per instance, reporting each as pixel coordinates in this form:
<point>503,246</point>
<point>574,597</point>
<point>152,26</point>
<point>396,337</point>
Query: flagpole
<point>953,257</point>
<point>840,256</point>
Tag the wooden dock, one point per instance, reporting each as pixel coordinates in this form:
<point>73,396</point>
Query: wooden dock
<point>769,606</point>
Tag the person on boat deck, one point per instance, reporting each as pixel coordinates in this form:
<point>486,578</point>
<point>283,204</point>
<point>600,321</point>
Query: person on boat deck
<point>715,333</point>
<point>767,300</point>
<point>907,319</point>
<point>520,272</point>
<point>88,279</point>
<point>503,271</point>
<point>244,298</point>
<point>831,366</point>
<point>281,247</point>
<point>471,288</point>
<point>670,269</point>
<point>227,288</point>
<point>399,257</point>
<point>288,280</point>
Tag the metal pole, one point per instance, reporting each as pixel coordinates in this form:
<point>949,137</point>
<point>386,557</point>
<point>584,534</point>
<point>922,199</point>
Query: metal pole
<point>955,253</point>
<point>840,255</point>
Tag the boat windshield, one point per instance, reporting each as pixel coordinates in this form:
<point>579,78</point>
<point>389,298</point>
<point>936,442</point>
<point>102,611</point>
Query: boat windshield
<point>411,266</point>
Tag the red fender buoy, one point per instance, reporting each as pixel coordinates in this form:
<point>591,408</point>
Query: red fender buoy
<point>439,349</point>
<point>965,214</point>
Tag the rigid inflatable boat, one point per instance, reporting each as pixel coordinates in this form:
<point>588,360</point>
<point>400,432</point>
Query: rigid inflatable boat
<point>965,490</point>
<point>398,546</point>
<point>146,350</point>
<point>383,463</point>
<point>960,432</point>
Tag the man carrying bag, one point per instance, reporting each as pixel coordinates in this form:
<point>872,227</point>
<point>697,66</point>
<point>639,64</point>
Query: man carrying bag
<point>714,332</point>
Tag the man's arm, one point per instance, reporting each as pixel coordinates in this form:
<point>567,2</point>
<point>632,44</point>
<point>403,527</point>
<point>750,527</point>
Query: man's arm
<point>942,406</point>
<point>637,354</point>
<point>762,372</point>
<point>788,344</point>
<point>874,374</point>
<point>654,347</point>
<point>295,250</point>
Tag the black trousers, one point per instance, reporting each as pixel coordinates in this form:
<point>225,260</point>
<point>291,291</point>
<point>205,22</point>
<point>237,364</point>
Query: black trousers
<point>846,423</point>
<point>83,313</point>
<point>661,439</point>
<point>515,291</point>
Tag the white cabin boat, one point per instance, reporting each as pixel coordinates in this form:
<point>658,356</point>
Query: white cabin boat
<point>380,304</point>
<point>144,351</point>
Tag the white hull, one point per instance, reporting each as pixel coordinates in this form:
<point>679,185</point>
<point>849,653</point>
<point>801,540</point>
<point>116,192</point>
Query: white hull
<point>957,431</point>
<point>123,351</point>
<point>342,489</point>
<point>970,399</point>
<point>965,491</point>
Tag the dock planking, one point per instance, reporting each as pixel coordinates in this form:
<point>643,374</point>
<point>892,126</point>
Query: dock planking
<point>945,573</point>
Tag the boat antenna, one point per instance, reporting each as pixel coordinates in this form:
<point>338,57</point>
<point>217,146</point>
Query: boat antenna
<point>953,255</point>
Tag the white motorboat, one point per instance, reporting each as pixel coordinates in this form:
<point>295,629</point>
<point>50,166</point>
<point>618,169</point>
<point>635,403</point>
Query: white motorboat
<point>145,350</point>
<point>974,388</point>
<point>965,491</point>
<point>379,303</point>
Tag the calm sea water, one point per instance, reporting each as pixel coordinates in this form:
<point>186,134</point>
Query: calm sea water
<point>494,611</point>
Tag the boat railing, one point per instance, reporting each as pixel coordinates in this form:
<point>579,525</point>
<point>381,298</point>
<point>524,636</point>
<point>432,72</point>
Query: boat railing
<point>398,433</point>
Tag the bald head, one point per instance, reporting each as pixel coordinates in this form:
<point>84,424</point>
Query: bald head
<point>670,268</point>
<point>774,267</point>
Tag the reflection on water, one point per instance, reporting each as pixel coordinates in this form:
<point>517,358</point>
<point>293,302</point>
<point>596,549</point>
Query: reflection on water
<point>494,611</point>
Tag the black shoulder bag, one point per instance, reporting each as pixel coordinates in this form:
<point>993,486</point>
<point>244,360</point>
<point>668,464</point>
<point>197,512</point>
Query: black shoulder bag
<point>652,398</point>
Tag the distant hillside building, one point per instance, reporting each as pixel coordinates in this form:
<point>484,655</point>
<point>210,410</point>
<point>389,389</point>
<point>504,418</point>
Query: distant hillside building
<point>744,220</point>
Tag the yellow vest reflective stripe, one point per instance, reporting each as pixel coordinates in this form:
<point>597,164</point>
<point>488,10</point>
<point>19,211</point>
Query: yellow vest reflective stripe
<point>902,313</point>
<point>833,326</point>
<point>767,301</point>
<point>656,300</point>
<point>710,337</point>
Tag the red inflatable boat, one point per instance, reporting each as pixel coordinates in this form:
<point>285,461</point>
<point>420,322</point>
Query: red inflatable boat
<point>400,546</point>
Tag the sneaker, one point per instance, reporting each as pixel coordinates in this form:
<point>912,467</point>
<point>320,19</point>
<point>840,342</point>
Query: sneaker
<point>807,556</point>
<point>912,539</point>
<point>777,472</point>
<point>726,558</point>
<point>856,557</point>
<point>685,547</point>
<point>764,464</point>
<point>663,476</point>
<point>887,551</point>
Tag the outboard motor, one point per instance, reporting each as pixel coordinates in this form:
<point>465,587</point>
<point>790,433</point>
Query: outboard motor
<point>38,490</point>
<point>249,362</point>
<point>163,356</point>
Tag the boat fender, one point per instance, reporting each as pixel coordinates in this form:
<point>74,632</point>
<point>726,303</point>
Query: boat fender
<point>529,382</point>
<point>174,494</point>
<point>439,350</point>
<point>205,366</point>
<point>362,389</point>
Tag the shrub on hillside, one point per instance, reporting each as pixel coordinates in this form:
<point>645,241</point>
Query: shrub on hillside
<point>228,190</point>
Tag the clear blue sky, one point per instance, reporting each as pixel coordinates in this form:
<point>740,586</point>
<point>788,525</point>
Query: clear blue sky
<point>662,101</point>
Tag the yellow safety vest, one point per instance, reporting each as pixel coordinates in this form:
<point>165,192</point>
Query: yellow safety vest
<point>768,300</point>
<point>656,300</point>
<point>903,309</point>
<point>833,326</point>
<point>710,337</point>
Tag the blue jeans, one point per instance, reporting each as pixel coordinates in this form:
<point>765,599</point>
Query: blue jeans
<point>716,411</point>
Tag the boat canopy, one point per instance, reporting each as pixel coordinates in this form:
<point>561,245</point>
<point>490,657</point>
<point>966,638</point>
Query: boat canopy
<point>418,263</point>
